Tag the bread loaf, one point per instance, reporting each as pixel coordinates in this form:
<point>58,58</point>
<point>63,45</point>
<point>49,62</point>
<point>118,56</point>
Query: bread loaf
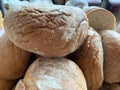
<point>47,30</point>
<point>89,57</point>
<point>111,45</point>
<point>53,74</point>
<point>13,60</point>
<point>100,19</point>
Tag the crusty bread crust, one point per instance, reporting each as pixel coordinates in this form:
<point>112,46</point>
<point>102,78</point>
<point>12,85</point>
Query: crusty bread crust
<point>89,57</point>
<point>13,60</point>
<point>111,45</point>
<point>100,18</point>
<point>47,30</point>
<point>53,74</point>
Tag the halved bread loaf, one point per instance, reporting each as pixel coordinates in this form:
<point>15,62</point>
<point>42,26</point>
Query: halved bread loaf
<point>100,19</point>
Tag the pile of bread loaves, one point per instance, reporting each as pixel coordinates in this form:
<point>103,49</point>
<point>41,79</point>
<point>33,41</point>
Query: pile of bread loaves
<point>56,47</point>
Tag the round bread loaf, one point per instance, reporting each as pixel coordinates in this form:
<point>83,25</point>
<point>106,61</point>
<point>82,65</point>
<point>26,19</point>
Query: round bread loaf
<point>111,45</point>
<point>53,74</point>
<point>46,29</point>
<point>13,60</point>
<point>6,85</point>
<point>89,57</point>
<point>100,19</point>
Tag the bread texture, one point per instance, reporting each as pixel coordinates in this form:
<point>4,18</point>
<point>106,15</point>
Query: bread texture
<point>46,29</point>
<point>89,57</point>
<point>6,85</point>
<point>111,45</point>
<point>100,19</point>
<point>13,60</point>
<point>53,74</point>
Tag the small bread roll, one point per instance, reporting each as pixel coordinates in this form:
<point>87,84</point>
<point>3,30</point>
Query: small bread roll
<point>13,60</point>
<point>100,19</point>
<point>6,85</point>
<point>111,45</point>
<point>47,30</point>
<point>1,24</point>
<point>53,74</point>
<point>89,57</point>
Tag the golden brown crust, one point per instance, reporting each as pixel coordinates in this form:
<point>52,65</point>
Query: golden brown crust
<point>89,57</point>
<point>53,74</point>
<point>13,60</point>
<point>100,19</point>
<point>111,45</point>
<point>48,30</point>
